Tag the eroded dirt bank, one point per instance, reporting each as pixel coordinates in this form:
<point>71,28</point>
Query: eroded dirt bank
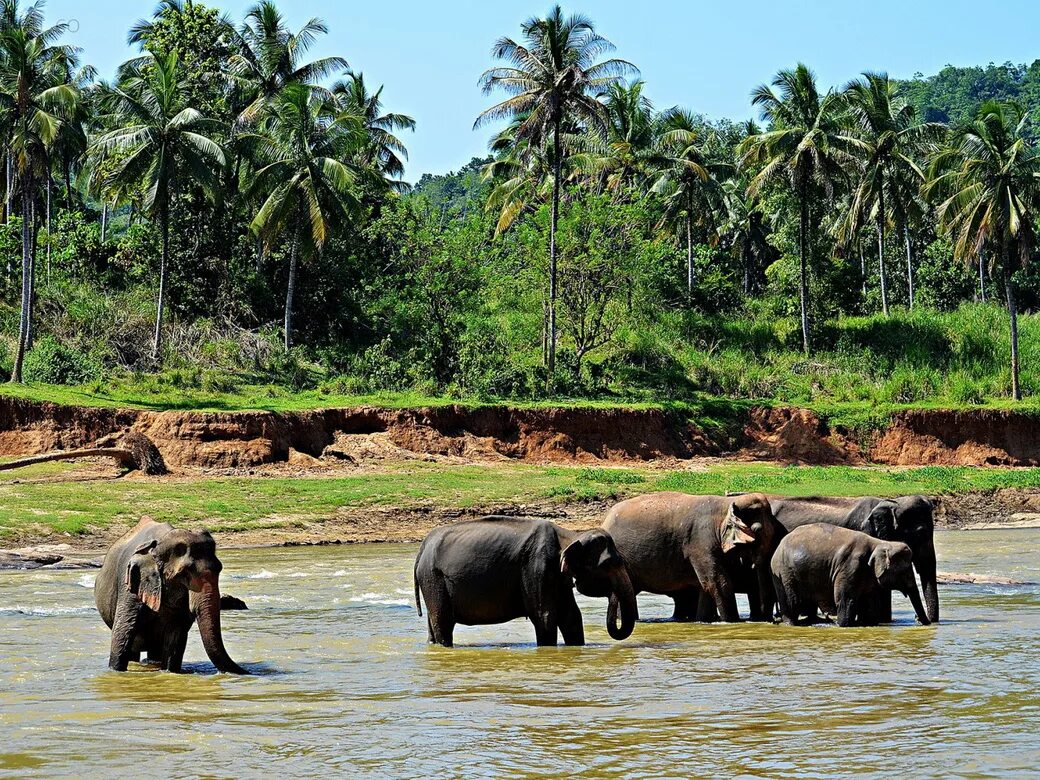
<point>229,440</point>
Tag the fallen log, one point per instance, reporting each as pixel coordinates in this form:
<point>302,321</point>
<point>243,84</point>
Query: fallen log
<point>136,453</point>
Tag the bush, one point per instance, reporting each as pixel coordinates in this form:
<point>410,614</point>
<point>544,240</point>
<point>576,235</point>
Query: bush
<point>53,363</point>
<point>484,367</point>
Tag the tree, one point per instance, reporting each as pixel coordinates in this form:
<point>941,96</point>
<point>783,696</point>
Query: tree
<point>162,145</point>
<point>553,80</point>
<point>383,150</point>
<point>627,155</point>
<point>891,141</point>
<point>688,177</point>
<point>986,186</point>
<point>306,176</point>
<point>36,99</point>
<point>806,147</point>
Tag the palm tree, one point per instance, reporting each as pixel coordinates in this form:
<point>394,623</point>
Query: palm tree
<point>268,59</point>
<point>36,99</point>
<point>627,156</point>
<point>891,141</point>
<point>161,146</point>
<point>986,183</point>
<point>384,150</point>
<point>306,176</point>
<point>689,176</point>
<point>805,147</point>
<point>553,80</point>
<point>743,227</point>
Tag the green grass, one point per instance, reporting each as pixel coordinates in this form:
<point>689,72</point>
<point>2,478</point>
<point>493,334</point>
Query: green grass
<point>229,504</point>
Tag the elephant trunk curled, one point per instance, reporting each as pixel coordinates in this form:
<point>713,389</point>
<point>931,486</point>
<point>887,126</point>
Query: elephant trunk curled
<point>622,598</point>
<point>207,604</point>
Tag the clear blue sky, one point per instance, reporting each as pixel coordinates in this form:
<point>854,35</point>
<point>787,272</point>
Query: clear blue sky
<point>703,55</point>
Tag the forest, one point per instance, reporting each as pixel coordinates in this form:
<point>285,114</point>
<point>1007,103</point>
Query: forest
<point>230,216</point>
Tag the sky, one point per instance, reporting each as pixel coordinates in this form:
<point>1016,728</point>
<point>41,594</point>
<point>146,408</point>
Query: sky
<point>704,55</point>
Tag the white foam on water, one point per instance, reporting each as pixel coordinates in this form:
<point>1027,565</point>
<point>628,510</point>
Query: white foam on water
<point>263,574</point>
<point>339,573</point>
<point>381,599</point>
<point>86,580</point>
<point>46,611</point>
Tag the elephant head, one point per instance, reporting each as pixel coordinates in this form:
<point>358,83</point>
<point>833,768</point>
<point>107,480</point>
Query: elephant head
<point>598,570</point>
<point>750,527</point>
<point>909,519</point>
<point>184,564</point>
<point>893,569</point>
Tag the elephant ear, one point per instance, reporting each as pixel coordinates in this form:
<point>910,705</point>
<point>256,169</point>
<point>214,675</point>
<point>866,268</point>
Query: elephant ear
<point>735,531</point>
<point>143,577</point>
<point>880,559</point>
<point>883,520</point>
<point>570,558</point>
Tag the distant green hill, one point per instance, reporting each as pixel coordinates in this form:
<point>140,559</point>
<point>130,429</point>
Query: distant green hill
<point>952,94</point>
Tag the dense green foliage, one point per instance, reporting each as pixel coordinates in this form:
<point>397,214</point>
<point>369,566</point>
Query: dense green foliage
<point>603,250</point>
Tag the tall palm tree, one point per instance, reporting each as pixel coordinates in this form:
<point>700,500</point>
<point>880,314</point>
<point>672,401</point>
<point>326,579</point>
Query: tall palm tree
<point>306,176</point>
<point>806,147</point>
<point>553,79</point>
<point>269,56</point>
<point>384,150</point>
<point>160,145</point>
<point>986,184</point>
<point>743,227</point>
<point>627,155</point>
<point>689,176</point>
<point>892,140</point>
<point>36,99</point>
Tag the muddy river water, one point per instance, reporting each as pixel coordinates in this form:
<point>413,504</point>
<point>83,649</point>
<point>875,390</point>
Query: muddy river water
<point>346,685</point>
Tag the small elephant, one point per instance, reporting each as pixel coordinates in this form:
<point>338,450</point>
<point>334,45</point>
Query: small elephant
<point>154,583</point>
<point>842,572</point>
<point>496,569</point>
<point>700,550</point>
<point>907,519</point>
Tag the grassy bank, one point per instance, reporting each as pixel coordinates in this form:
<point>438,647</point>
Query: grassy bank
<point>38,509</point>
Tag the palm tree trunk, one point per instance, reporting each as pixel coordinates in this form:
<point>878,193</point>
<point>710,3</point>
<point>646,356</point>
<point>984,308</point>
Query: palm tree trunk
<point>909,264</point>
<point>881,251</point>
<point>294,259</point>
<point>164,217</point>
<point>68,183</point>
<point>746,252</point>
<point>1016,389</point>
<point>689,250</point>
<point>862,269</point>
<point>30,332</point>
<point>982,275</point>
<point>48,229</point>
<point>554,221</point>
<point>803,251</point>
<point>9,180</point>
<point>104,221</point>
<point>23,323</point>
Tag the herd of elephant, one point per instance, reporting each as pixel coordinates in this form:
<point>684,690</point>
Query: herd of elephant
<point>793,556</point>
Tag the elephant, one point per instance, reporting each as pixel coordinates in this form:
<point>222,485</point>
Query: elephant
<point>842,572</point>
<point>496,569</point>
<point>700,550</point>
<point>154,583</point>
<point>906,519</point>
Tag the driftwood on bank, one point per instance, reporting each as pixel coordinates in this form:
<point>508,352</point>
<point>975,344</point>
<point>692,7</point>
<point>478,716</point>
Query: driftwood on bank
<point>136,453</point>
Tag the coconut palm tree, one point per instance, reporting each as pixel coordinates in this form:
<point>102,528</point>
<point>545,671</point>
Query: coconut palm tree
<point>986,187</point>
<point>269,56</point>
<point>36,99</point>
<point>892,140</point>
<point>628,155</point>
<point>307,176</point>
<point>806,147</point>
<point>160,145</point>
<point>742,226</point>
<point>553,80</point>
<point>690,171</point>
<point>384,150</point>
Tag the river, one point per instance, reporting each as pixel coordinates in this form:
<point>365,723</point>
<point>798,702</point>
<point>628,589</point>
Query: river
<point>346,685</point>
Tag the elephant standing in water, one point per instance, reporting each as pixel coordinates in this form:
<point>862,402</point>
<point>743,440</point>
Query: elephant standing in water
<point>906,519</point>
<point>700,550</point>
<point>497,569</point>
<point>154,583</point>
<point>842,572</point>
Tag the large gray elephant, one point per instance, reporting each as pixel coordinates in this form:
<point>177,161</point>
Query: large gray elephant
<point>906,519</point>
<point>497,569</point>
<point>841,572</point>
<point>700,550</point>
<point>155,582</point>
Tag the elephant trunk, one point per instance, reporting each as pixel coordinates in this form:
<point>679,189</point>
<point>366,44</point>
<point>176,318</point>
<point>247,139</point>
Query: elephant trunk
<point>208,615</point>
<point>915,599</point>
<point>623,597</point>
<point>924,562</point>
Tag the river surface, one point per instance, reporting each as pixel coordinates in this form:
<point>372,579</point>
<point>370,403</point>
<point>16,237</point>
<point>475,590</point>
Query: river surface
<point>346,685</point>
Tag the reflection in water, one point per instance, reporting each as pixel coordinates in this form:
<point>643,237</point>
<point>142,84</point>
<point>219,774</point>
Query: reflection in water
<point>344,680</point>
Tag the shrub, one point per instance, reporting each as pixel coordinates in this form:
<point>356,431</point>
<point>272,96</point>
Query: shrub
<point>53,363</point>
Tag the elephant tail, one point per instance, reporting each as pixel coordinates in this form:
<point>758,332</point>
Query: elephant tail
<point>418,601</point>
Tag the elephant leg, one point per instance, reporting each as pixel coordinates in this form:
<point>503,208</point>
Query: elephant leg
<point>542,584</point>
<point>848,607</point>
<point>174,642</point>
<point>787,601</point>
<point>440,617</point>
<point>725,599</point>
<point>569,616</point>
<point>124,629</point>
<point>707,612</point>
<point>884,607</point>
<point>686,602</point>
